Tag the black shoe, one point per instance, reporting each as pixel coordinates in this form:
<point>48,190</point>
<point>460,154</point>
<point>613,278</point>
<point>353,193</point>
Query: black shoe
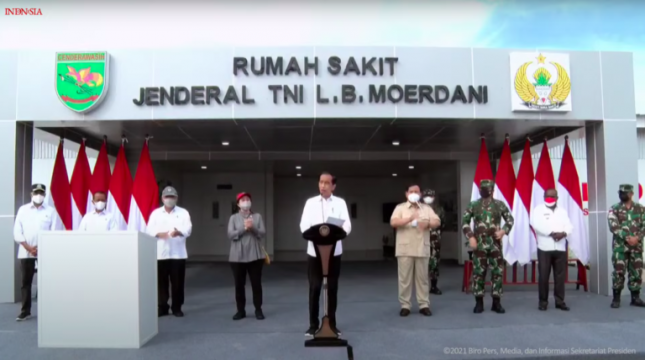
<point>312,330</point>
<point>434,289</point>
<point>425,312</point>
<point>23,317</point>
<point>636,300</point>
<point>497,306</point>
<point>178,313</point>
<point>259,315</point>
<point>161,313</point>
<point>239,315</point>
<point>404,312</point>
<point>479,305</point>
<point>562,306</point>
<point>615,302</point>
<point>542,306</point>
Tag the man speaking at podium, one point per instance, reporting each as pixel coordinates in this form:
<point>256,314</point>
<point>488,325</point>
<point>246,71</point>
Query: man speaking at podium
<point>319,209</point>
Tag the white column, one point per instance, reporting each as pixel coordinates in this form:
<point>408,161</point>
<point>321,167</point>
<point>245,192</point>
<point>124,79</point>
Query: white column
<point>465,176</point>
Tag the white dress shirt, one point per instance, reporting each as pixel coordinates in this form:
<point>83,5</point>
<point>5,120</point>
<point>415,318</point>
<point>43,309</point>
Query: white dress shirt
<point>317,210</point>
<point>30,221</point>
<point>97,221</point>
<point>162,221</point>
<point>546,221</point>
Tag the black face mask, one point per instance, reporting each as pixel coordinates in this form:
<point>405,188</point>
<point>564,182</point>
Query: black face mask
<point>484,192</point>
<point>624,197</point>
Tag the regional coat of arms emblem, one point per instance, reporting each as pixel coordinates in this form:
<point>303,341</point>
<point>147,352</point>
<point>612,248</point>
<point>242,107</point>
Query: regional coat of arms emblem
<point>540,84</point>
<point>81,79</point>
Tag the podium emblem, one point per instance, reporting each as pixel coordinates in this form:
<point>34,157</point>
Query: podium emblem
<point>324,230</point>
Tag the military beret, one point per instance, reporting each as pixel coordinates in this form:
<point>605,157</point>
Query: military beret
<point>38,187</point>
<point>486,183</point>
<point>169,191</point>
<point>626,188</point>
<point>428,192</point>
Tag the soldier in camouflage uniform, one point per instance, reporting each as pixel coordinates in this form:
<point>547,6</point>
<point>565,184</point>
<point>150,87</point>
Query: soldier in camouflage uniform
<point>435,240</point>
<point>486,241</point>
<point>627,223</point>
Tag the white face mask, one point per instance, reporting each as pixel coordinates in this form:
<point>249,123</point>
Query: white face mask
<point>413,198</point>
<point>245,205</point>
<point>169,202</point>
<point>38,199</point>
<point>99,205</point>
<point>428,200</point>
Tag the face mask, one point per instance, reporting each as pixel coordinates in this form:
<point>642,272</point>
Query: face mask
<point>484,192</point>
<point>245,205</point>
<point>550,202</point>
<point>428,200</point>
<point>169,202</point>
<point>624,197</point>
<point>99,205</point>
<point>38,199</point>
<point>413,198</point>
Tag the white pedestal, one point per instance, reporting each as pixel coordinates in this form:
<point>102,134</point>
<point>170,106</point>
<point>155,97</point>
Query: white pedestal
<point>96,290</point>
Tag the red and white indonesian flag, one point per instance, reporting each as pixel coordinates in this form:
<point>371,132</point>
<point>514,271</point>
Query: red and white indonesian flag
<point>544,180</point>
<point>80,187</point>
<point>521,236</point>
<point>505,192</point>
<point>101,175</point>
<point>570,199</point>
<point>120,193</point>
<point>483,171</point>
<point>145,192</point>
<point>60,195</point>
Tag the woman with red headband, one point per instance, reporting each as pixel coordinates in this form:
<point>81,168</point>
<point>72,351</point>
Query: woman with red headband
<point>246,231</point>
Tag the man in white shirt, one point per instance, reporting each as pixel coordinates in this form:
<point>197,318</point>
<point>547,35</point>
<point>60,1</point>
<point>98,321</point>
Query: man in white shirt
<point>552,226</point>
<point>32,218</point>
<point>99,219</point>
<point>171,225</point>
<point>318,210</point>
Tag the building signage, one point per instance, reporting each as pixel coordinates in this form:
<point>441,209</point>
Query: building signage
<point>296,94</point>
<point>541,82</point>
<point>82,79</point>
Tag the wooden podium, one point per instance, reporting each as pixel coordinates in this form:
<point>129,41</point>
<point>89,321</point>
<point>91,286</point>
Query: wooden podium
<point>324,237</point>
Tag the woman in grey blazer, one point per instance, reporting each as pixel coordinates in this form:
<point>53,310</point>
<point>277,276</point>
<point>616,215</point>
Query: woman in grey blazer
<point>246,232</point>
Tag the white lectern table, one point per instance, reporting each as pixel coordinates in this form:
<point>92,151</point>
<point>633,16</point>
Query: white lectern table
<point>96,290</point>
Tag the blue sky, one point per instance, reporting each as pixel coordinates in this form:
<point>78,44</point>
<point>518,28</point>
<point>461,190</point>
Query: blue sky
<point>571,25</point>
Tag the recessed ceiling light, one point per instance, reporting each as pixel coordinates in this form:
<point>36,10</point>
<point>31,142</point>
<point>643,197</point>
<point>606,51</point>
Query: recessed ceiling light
<point>394,175</point>
<point>204,167</point>
<point>224,143</point>
<point>411,167</point>
<point>298,167</point>
<point>298,175</point>
<point>396,143</point>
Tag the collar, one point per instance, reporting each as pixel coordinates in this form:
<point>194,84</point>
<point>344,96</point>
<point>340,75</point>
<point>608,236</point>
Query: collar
<point>101,213</point>
<point>41,207</point>
<point>411,204</point>
<point>330,198</point>
<point>163,209</point>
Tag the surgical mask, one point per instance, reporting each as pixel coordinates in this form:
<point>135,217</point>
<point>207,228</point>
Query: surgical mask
<point>428,200</point>
<point>624,197</point>
<point>550,201</point>
<point>38,199</point>
<point>169,202</point>
<point>99,205</point>
<point>484,192</point>
<point>413,198</point>
<point>245,205</point>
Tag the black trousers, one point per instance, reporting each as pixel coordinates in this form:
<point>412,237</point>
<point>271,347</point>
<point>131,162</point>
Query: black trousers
<point>315,287</point>
<point>254,270</point>
<point>556,260</point>
<point>28,269</point>
<point>171,274</point>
